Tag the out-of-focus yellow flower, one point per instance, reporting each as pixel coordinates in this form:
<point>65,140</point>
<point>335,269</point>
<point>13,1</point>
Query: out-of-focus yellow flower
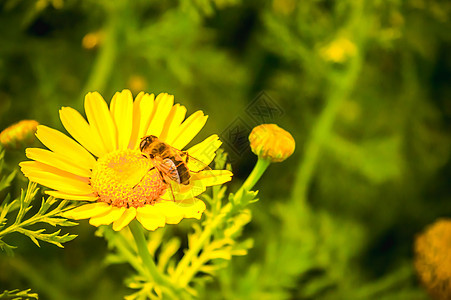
<point>339,50</point>
<point>18,134</point>
<point>92,40</point>
<point>122,184</point>
<point>271,142</point>
<point>433,259</point>
<point>137,83</point>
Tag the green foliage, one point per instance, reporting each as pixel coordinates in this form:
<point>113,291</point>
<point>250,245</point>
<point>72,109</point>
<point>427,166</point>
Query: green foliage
<point>364,89</point>
<point>18,295</point>
<point>210,247</point>
<point>5,180</point>
<point>43,215</point>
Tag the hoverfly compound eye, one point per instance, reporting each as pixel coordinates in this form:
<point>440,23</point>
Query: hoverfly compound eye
<point>145,141</point>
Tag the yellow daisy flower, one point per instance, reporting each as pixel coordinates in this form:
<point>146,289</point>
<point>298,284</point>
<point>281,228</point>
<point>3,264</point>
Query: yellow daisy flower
<point>107,168</point>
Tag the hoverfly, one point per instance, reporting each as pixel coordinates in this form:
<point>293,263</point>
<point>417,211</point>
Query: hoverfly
<point>171,163</point>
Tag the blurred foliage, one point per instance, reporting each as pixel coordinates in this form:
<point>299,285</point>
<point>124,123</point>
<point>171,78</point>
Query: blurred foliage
<point>363,87</point>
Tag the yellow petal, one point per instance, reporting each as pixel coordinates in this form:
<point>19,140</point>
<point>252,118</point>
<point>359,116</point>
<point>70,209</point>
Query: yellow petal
<point>122,112</point>
<point>193,208</point>
<point>125,219</point>
<point>87,211</point>
<point>100,119</point>
<point>183,192</point>
<point>198,184</point>
<point>142,115</point>
<point>80,130</point>
<point>204,152</point>
<point>108,217</point>
<point>65,146</point>
<point>62,195</point>
<point>174,212</point>
<point>174,219</point>
<point>189,129</point>
<point>173,122</point>
<point>168,209</point>
<point>55,178</point>
<point>163,105</point>
<point>57,160</point>
<point>212,177</point>
<point>150,222</point>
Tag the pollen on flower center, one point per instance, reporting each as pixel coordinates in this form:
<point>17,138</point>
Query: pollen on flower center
<point>124,178</point>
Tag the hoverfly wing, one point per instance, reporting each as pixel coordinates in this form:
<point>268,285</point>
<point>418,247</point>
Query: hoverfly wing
<point>194,165</point>
<point>168,167</point>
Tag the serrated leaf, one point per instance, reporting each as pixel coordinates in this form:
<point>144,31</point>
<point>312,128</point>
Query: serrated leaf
<point>171,267</point>
<point>220,159</point>
<point>7,248</point>
<point>212,269</point>
<point>236,224</point>
<point>219,244</point>
<point>193,237</point>
<point>243,198</point>
<point>167,251</point>
<point>54,221</point>
<point>113,259</point>
<point>6,181</point>
<point>239,249</point>
<point>25,200</point>
<point>19,295</point>
<point>44,215</point>
<point>154,240</point>
<point>4,210</point>
<point>221,193</point>
<point>53,238</point>
<point>224,253</point>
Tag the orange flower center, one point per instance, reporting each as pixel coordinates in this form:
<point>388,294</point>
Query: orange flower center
<point>125,178</point>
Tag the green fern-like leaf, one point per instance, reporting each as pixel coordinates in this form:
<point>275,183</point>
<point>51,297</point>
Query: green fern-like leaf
<point>46,214</point>
<point>18,295</point>
<point>5,180</point>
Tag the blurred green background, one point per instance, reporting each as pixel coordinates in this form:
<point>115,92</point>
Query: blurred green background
<point>363,86</point>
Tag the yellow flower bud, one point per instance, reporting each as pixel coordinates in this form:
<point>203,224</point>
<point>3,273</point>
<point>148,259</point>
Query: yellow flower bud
<point>137,83</point>
<point>339,50</point>
<point>19,133</point>
<point>92,40</point>
<point>271,142</point>
<point>433,259</point>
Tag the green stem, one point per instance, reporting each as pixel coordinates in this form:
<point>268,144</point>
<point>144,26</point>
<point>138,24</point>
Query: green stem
<point>193,251</point>
<point>341,84</point>
<point>104,62</point>
<point>149,264</point>
<point>121,244</point>
<point>143,251</point>
<point>257,172</point>
<point>184,278</point>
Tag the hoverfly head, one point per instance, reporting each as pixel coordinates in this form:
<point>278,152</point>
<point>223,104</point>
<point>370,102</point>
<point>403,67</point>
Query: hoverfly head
<point>146,141</point>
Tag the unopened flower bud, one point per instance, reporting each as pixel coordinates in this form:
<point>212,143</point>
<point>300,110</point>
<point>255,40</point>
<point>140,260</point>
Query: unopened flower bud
<point>271,142</point>
<point>433,259</point>
<point>92,40</point>
<point>20,133</point>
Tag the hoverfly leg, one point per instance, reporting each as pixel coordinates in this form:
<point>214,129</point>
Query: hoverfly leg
<point>143,177</point>
<point>187,156</point>
<point>172,192</point>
